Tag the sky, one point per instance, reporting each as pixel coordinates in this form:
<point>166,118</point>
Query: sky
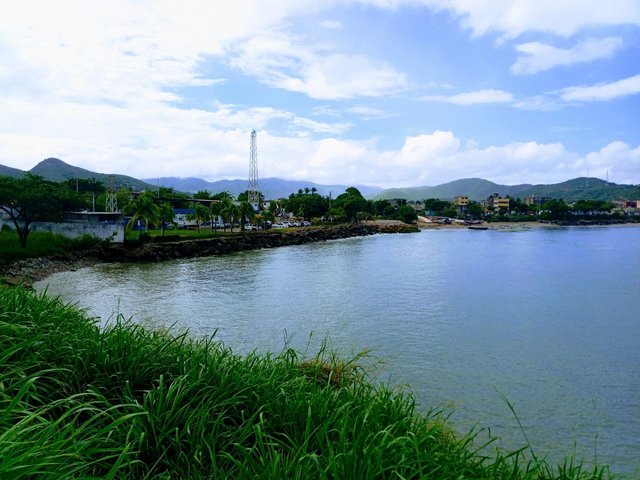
<point>391,93</point>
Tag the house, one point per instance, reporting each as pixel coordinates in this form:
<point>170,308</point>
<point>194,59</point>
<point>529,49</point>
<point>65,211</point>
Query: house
<point>497,202</point>
<point>461,203</point>
<point>180,217</point>
<point>536,200</point>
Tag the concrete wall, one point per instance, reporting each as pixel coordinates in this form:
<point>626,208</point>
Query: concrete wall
<point>74,230</point>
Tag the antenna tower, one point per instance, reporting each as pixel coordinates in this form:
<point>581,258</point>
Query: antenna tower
<point>112,197</point>
<point>254,193</point>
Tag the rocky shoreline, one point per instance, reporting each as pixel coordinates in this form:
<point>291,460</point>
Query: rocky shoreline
<point>25,272</point>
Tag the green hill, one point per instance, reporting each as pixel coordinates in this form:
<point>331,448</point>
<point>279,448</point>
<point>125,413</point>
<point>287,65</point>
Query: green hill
<point>10,172</point>
<point>478,189</point>
<point>56,170</point>
<point>584,188</point>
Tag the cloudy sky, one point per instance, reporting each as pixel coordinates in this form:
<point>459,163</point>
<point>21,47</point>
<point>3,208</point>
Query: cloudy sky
<point>376,92</point>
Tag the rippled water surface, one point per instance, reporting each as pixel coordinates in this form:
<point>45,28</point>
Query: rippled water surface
<point>548,318</point>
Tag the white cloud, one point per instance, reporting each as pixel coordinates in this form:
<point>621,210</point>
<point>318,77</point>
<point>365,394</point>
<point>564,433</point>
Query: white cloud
<point>538,57</point>
<point>367,113</point>
<point>281,61</point>
<point>512,18</point>
<point>331,24</point>
<point>99,85</point>
<point>618,161</point>
<point>603,91</point>
<point>473,98</point>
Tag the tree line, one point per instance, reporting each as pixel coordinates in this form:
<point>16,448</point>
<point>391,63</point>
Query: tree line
<point>31,199</point>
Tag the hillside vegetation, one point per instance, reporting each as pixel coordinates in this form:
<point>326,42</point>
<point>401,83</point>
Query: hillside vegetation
<point>124,402</point>
<point>478,189</point>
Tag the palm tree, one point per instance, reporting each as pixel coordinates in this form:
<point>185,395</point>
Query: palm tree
<point>166,214</point>
<point>200,214</point>
<point>246,213</point>
<point>216,212</point>
<point>268,216</point>
<point>230,213</point>
<point>143,208</point>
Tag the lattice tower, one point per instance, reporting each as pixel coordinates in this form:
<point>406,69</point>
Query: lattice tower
<point>254,193</point>
<point>112,197</point>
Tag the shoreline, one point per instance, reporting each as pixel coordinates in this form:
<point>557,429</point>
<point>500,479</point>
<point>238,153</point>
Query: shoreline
<point>528,225</point>
<point>28,271</point>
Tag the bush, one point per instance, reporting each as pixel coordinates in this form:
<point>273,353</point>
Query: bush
<point>40,244</point>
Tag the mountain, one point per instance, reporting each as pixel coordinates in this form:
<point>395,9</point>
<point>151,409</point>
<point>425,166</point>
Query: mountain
<point>56,170</point>
<point>478,189</point>
<point>585,188</point>
<point>475,188</point>
<point>270,187</point>
<point>10,172</point>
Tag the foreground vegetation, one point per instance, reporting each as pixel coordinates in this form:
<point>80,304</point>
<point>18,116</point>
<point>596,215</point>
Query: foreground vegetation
<point>124,402</point>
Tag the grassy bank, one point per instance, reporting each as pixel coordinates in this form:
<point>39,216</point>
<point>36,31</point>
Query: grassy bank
<point>39,244</point>
<point>77,402</point>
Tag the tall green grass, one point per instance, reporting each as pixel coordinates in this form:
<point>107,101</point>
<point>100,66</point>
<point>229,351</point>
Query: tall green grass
<point>39,244</point>
<point>125,402</point>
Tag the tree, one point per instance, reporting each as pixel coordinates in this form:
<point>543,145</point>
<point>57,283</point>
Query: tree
<point>177,199</point>
<point>143,208</point>
<point>166,215</point>
<point>202,194</point>
<point>380,207</point>
<point>30,199</point>
<point>244,197</point>
<point>555,210</point>
<point>267,216</point>
<point>230,213</point>
<point>474,209</point>
<point>222,196</point>
<point>246,214</point>
<point>406,213</point>
<point>352,202</point>
<point>307,204</point>
<point>436,205</point>
<point>216,212</point>
<point>200,214</point>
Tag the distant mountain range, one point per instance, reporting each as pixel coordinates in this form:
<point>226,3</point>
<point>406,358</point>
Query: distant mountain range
<point>475,188</point>
<point>270,187</point>
<point>478,189</point>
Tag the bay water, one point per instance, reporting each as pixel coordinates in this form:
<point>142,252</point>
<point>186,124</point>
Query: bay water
<point>547,320</point>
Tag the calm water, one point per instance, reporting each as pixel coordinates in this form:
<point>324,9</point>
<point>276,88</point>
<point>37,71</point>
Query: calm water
<point>548,318</point>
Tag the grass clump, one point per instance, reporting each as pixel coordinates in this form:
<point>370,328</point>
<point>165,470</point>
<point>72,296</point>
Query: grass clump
<point>39,244</point>
<point>125,402</point>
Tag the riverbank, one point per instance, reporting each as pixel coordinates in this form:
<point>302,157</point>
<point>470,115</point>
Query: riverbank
<point>25,272</point>
<point>125,402</point>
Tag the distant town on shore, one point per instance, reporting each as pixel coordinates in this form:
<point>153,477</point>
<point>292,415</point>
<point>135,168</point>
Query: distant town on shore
<point>59,198</point>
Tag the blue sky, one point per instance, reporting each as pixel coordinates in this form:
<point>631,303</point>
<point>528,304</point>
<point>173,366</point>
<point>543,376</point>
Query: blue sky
<point>378,92</point>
